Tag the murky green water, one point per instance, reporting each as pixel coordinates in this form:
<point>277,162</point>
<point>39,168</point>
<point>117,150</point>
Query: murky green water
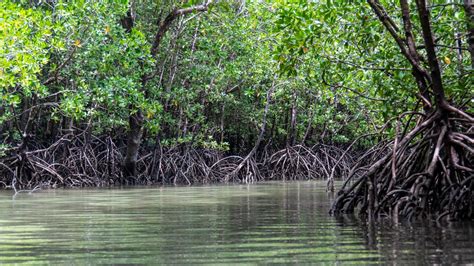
<point>260,223</point>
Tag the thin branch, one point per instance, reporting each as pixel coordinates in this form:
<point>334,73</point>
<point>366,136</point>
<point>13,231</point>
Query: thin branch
<point>55,74</point>
<point>164,26</point>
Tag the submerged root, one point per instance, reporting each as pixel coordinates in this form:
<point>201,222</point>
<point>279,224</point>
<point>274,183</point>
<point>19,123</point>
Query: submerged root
<point>85,160</point>
<point>428,171</point>
<point>235,169</point>
<point>71,161</point>
<point>300,162</point>
<point>76,161</point>
<point>293,163</point>
<point>183,165</point>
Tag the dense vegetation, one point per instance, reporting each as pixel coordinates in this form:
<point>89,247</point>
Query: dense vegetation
<point>98,93</point>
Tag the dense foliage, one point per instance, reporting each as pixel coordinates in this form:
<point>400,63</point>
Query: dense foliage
<point>75,65</point>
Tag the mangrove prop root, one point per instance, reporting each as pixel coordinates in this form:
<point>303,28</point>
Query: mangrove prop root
<point>79,161</point>
<point>427,171</point>
<point>300,162</point>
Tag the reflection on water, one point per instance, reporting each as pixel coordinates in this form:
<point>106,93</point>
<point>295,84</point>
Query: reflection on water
<point>269,223</point>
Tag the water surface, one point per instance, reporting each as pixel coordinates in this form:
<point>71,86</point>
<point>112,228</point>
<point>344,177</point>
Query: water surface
<point>260,223</point>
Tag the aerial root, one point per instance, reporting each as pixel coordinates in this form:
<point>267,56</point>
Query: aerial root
<point>300,162</point>
<point>426,172</point>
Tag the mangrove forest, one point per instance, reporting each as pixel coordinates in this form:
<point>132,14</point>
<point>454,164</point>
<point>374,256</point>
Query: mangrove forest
<point>236,131</point>
<point>374,98</point>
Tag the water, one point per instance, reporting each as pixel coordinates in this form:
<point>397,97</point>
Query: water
<point>260,223</point>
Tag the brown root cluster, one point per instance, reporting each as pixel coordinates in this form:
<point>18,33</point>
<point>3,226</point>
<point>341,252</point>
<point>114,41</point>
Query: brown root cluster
<point>300,162</point>
<point>71,161</point>
<point>426,171</point>
<point>80,161</point>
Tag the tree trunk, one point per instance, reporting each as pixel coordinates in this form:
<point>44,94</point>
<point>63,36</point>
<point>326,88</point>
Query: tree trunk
<point>133,144</point>
<point>435,72</point>
<point>410,41</point>
<point>135,120</point>
<point>309,128</point>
